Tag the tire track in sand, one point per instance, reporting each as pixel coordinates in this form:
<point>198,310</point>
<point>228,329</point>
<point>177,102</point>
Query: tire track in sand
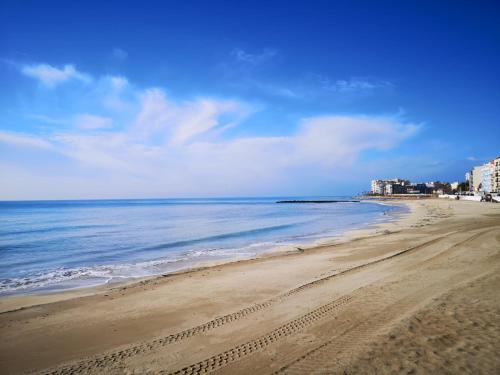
<point>100,362</point>
<point>330,356</point>
<point>220,360</point>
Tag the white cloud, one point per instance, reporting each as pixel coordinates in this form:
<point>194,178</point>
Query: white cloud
<point>112,89</point>
<point>165,147</point>
<point>198,117</point>
<point>355,84</point>
<point>92,122</point>
<point>118,83</point>
<point>209,164</point>
<point>254,58</point>
<point>339,139</point>
<point>51,76</point>
<point>178,123</point>
<point>311,85</point>
<point>47,119</point>
<point>105,151</point>
<point>351,85</point>
<point>155,112</point>
<point>24,140</point>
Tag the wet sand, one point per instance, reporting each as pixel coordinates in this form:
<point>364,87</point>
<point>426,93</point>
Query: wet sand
<point>418,295</point>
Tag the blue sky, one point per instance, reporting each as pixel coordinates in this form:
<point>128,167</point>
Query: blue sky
<point>172,99</point>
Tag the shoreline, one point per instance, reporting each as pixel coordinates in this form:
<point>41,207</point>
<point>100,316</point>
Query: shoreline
<point>23,299</point>
<point>277,313</point>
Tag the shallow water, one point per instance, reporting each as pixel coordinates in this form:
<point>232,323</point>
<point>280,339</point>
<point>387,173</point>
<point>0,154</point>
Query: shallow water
<point>48,245</point>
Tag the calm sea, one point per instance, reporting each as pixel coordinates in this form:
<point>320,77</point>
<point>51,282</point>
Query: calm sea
<point>48,245</point>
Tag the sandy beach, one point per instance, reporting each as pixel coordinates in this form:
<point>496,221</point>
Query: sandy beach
<point>417,295</point>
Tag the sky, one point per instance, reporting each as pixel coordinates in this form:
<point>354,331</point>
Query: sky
<point>158,99</point>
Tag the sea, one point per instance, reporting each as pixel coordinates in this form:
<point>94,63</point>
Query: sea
<point>57,245</point>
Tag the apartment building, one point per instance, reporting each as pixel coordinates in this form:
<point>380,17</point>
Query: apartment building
<point>378,187</point>
<point>398,186</point>
<point>477,179</point>
<point>496,175</point>
<point>487,171</point>
<point>486,178</point>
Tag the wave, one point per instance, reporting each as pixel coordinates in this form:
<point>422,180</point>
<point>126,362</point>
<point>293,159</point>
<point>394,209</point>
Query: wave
<point>67,277</point>
<point>54,229</point>
<point>141,246</point>
<point>216,237</point>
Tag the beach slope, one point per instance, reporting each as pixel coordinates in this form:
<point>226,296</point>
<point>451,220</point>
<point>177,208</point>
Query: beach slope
<point>417,295</point>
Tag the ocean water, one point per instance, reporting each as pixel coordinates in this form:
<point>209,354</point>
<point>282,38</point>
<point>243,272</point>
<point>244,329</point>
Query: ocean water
<point>54,245</point>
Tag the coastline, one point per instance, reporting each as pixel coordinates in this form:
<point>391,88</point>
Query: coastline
<point>23,299</point>
<point>372,281</point>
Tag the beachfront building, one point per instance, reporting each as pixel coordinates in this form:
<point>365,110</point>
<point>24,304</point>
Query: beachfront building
<point>378,187</point>
<point>477,179</point>
<point>436,187</point>
<point>412,189</point>
<point>424,188</point>
<point>389,187</point>
<point>400,186</point>
<point>486,178</point>
<point>487,171</point>
<point>496,175</point>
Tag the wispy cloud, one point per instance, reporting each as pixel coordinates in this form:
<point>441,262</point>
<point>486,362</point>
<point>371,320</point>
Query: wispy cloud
<point>24,140</point>
<point>178,123</point>
<point>254,58</point>
<point>92,122</point>
<point>165,146</point>
<point>257,77</point>
<point>350,85</point>
<point>315,85</point>
<point>334,139</point>
<point>355,84</point>
<point>47,119</point>
<point>51,76</point>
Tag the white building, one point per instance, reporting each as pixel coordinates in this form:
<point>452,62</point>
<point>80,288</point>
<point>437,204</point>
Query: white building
<point>496,176</point>
<point>477,179</point>
<point>487,173</point>
<point>378,187</point>
<point>388,187</point>
<point>486,177</point>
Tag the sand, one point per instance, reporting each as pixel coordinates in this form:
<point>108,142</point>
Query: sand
<point>418,295</point>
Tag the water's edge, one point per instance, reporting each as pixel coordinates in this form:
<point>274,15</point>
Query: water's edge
<point>82,280</point>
